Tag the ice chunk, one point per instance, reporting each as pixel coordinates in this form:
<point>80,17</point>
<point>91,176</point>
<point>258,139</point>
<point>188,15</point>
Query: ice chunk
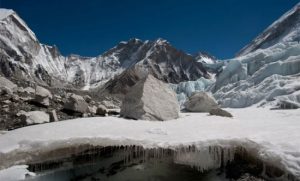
<point>185,89</point>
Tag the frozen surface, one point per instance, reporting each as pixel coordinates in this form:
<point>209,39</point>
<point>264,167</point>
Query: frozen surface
<point>14,173</point>
<point>185,89</point>
<point>274,133</point>
<point>264,70</point>
<point>260,77</point>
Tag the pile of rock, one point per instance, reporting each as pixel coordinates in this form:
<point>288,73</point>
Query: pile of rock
<point>21,106</point>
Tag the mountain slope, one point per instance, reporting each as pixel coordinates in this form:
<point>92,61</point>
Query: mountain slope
<point>23,57</point>
<point>161,60</point>
<point>285,29</point>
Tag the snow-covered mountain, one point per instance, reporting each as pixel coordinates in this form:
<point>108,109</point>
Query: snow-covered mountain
<point>163,61</point>
<point>267,71</point>
<point>22,56</point>
<point>285,29</point>
<point>205,58</point>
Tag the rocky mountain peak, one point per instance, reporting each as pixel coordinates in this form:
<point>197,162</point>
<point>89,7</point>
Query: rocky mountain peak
<point>205,57</point>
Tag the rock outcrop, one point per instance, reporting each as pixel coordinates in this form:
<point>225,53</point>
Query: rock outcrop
<point>76,103</point>
<point>101,110</point>
<point>42,96</point>
<point>6,86</point>
<point>34,117</point>
<point>200,102</point>
<point>150,99</point>
<point>220,112</point>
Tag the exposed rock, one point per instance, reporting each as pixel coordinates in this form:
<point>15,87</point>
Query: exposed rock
<point>5,91</point>
<point>53,116</point>
<point>101,110</point>
<point>220,112</point>
<point>42,96</point>
<point>109,105</point>
<point>29,90</point>
<point>20,90</point>
<point>248,177</point>
<point>6,109</point>
<point>87,98</point>
<point>85,115</point>
<point>200,102</point>
<point>93,110</point>
<point>15,98</point>
<point>6,101</point>
<point>150,99</point>
<point>4,82</point>
<point>34,117</point>
<point>20,113</point>
<point>113,111</point>
<point>76,103</point>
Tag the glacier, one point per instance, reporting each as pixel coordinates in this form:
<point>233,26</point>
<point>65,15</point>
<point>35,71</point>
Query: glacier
<point>185,89</point>
<point>265,72</point>
<point>260,77</point>
<point>270,135</point>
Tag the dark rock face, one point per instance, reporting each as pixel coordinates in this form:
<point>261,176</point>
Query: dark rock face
<point>101,110</point>
<point>220,112</point>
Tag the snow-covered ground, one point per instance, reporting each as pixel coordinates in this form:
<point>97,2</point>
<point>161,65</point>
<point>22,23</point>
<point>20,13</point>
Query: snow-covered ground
<point>274,134</point>
<point>14,173</point>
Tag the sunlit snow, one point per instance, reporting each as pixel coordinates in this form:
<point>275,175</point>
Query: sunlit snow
<point>273,133</point>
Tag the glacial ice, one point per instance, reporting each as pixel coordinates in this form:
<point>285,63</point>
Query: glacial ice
<point>271,135</point>
<point>259,77</point>
<point>185,89</point>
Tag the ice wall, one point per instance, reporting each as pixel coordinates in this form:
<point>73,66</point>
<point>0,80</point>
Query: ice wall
<point>185,89</point>
<point>260,77</point>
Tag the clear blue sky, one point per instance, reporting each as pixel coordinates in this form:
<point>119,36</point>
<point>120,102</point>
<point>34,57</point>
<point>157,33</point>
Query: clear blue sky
<point>90,27</point>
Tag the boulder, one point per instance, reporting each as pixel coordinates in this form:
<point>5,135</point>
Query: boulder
<point>42,96</point>
<point>220,112</point>
<point>34,117</point>
<point>6,101</point>
<point>76,103</point>
<point>53,116</point>
<point>150,99</point>
<point>113,111</point>
<point>109,105</point>
<point>15,98</point>
<point>101,110</point>
<point>5,91</point>
<point>200,102</point>
<point>20,90</point>
<point>29,90</point>
<point>4,82</point>
<point>92,110</point>
<point>87,98</point>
